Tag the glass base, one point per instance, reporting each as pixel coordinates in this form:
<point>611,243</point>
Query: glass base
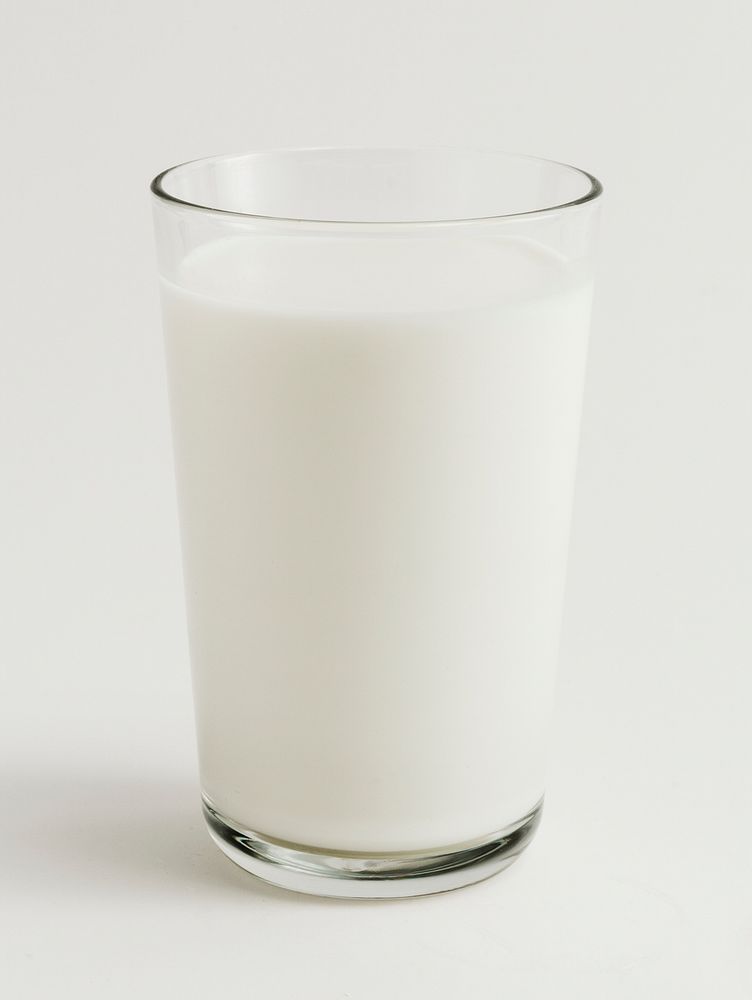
<point>359,875</point>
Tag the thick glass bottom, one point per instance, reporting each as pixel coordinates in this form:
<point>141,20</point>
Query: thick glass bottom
<point>359,875</point>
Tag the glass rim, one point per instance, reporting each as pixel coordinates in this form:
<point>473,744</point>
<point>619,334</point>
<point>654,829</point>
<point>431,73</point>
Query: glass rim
<point>157,187</point>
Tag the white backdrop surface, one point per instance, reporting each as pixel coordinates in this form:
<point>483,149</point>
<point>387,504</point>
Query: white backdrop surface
<point>638,884</point>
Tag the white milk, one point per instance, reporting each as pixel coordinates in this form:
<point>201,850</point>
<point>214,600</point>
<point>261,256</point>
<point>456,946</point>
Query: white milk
<point>375,445</point>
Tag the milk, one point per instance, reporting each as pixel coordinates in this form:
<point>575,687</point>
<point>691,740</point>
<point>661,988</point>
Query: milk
<point>375,444</point>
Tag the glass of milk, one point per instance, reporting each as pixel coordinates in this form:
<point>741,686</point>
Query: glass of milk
<point>375,363</point>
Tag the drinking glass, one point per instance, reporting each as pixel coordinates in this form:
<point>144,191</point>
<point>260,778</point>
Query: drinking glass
<point>375,362</point>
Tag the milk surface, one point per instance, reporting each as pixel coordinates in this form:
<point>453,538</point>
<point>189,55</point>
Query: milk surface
<point>375,444</point>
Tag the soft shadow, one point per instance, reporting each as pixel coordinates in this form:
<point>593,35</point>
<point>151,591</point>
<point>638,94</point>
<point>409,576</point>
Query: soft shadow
<point>95,834</point>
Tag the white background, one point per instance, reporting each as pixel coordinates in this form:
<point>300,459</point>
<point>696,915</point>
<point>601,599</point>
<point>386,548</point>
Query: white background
<point>639,883</point>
